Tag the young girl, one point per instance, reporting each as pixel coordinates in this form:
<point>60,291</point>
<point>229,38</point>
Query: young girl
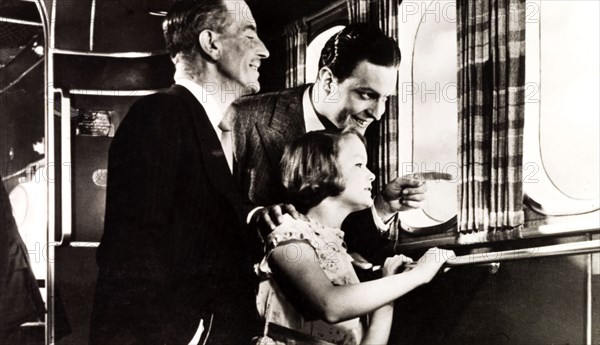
<point>310,293</point>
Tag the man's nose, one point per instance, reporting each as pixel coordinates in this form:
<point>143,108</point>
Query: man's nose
<point>263,52</point>
<point>378,109</point>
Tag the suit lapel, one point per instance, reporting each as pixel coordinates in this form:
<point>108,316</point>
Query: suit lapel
<point>212,153</point>
<point>286,124</point>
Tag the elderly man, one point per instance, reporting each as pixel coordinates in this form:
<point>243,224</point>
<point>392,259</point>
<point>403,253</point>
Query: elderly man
<point>171,261</point>
<point>357,72</point>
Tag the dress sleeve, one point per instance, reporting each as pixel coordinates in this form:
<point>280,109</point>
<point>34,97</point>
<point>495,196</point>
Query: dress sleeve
<point>289,230</point>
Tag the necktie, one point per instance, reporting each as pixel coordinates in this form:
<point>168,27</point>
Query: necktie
<point>226,142</point>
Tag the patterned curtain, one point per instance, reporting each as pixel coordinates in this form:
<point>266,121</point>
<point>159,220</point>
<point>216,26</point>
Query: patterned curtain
<point>383,139</point>
<point>491,90</point>
<point>296,37</point>
<point>359,11</point>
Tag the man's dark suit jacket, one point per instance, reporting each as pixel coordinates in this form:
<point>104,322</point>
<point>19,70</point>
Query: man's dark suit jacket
<point>173,249</point>
<point>263,124</point>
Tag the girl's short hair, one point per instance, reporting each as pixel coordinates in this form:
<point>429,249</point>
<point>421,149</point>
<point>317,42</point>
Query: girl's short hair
<point>309,169</point>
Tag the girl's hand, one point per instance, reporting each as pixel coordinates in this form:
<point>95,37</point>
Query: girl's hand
<point>430,263</point>
<point>393,264</point>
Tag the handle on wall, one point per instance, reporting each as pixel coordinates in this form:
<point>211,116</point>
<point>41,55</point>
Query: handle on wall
<point>575,248</point>
<point>65,169</point>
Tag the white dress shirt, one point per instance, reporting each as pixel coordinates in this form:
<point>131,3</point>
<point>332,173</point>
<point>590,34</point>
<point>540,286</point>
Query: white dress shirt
<point>311,120</point>
<point>215,113</point>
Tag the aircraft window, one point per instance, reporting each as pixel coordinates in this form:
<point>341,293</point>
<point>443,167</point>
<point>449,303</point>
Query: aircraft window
<point>561,149</point>
<point>431,122</point>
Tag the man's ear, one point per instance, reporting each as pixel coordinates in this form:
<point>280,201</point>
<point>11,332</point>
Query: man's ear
<point>209,44</point>
<point>327,79</point>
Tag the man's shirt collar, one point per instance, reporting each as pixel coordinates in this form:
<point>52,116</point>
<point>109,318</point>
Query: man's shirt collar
<point>209,102</point>
<point>311,120</point>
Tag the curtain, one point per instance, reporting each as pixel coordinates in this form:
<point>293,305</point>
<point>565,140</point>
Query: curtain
<point>491,90</point>
<point>296,37</point>
<point>382,138</point>
<point>359,11</point>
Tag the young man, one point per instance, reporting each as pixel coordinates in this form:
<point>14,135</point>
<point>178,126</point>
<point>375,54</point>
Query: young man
<point>357,72</point>
<point>172,253</point>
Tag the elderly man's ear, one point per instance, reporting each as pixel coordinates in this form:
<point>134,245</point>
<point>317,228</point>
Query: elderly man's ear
<point>210,44</point>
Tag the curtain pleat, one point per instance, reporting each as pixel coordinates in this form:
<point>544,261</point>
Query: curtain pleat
<point>491,49</point>
<point>296,37</point>
<point>359,11</point>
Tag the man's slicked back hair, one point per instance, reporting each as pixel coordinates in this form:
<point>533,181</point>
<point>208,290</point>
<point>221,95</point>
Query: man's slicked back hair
<point>187,18</point>
<point>356,43</point>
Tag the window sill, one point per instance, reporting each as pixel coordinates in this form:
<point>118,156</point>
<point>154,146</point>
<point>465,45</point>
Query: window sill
<point>537,227</point>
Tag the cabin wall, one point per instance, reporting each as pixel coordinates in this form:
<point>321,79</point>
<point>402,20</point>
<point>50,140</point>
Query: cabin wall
<point>536,301</point>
